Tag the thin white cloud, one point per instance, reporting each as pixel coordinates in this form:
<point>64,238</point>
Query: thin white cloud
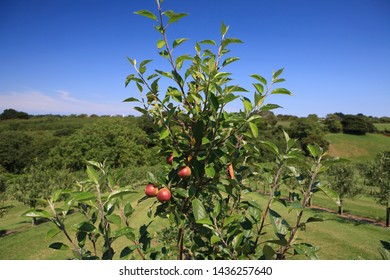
<point>37,102</point>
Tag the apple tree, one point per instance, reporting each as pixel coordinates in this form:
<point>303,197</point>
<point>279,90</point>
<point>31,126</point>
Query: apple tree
<point>208,211</point>
<point>377,174</point>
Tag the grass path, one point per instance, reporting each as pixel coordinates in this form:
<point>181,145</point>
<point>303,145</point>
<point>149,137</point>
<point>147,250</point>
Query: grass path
<point>338,238</point>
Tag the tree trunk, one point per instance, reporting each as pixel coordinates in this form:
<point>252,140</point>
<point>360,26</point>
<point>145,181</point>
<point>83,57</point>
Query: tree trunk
<point>341,210</point>
<point>387,216</point>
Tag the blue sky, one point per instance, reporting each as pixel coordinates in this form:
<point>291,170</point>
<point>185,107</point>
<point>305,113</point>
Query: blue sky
<point>69,56</point>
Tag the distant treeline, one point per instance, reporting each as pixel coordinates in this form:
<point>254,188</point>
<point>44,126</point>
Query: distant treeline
<point>39,154</point>
<point>59,142</point>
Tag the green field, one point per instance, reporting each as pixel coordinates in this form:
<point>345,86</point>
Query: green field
<point>357,147</point>
<point>338,238</point>
<point>382,126</point>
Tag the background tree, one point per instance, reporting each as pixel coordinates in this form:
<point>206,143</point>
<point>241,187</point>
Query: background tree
<point>16,150</point>
<point>308,131</point>
<point>378,175</point>
<point>13,114</point>
<point>38,183</point>
<point>3,194</point>
<point>333,123</point>
<point>342,180</point>
<point>116,141</point>
<point>354,125</point>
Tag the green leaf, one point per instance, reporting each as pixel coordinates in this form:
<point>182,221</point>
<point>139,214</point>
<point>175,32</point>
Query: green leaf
<point>114,219</point>
<point>142,69</point>
<point>132,61</point>
<point>141,110</point>
<point>205,221</point>
<point>279,224</point>
<point>216,209</point>
<point>127,251</point>
<point>271,146</point>
<point>277,73</point>
<point>228,41</point>
<point>254,129</point>
<point>224,29</point>
<point>198,130</point>
<point>93,175</point>
<point>59,246</point>
<point>214,239</point>
<point>164,53</point>
<point>129,78</point>
<point>147,14</point>
<point>259,99</point>
<point>52,232</point>
<point>209,42</point>
<point>197,47</point>
<point>181,192</point>
<point>128,210</point>
<point>210,171</point>
<point>385,254</point>
<point>152,76</point>
<point>236,89</point>
<point>165,74</point>
<point>160,44</point>
<point>331,194</point>
<point>281,91</point>
<point>205,141</point>
<point>214,101</point>
<point>84,226</point>
<point>307,250</point>
<point>131,99</point>
<point>229,220</point>
<point>83,196</point>
<point>180,60</point>
<point>36,213</point>
<point>259,88</point>
<point>268,252</point>
<point>198,209</point>
<point>150,177</point>
<point>145,62</point>
<point>295,205</point>
<point>269,107</point>
<point>123,231</point>
<point>237,240</point>
<point>177,42</point>
<point>229,60</point>
<point>120,193</point>
<point>259,78</point>
<point>315,150</point>
<point>174,17</point>
<point>229,98</point>
<point>164,134</point>
<point>278,81</point>
<point>247,104</point>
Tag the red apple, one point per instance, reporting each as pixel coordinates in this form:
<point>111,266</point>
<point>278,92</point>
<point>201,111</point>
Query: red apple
<point>184,172</point>
<point>151,190</point>
<point>163,195</point>
<point>169,159</point>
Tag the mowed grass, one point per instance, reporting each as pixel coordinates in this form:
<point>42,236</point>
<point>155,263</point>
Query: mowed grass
<point>21,241</point>
<point>382,126</point>
<point>337,237</point>
<point>357,147</point>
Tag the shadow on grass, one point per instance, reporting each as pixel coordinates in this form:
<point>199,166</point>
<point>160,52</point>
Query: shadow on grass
<point>347,218</point>
<point>5,232</point>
